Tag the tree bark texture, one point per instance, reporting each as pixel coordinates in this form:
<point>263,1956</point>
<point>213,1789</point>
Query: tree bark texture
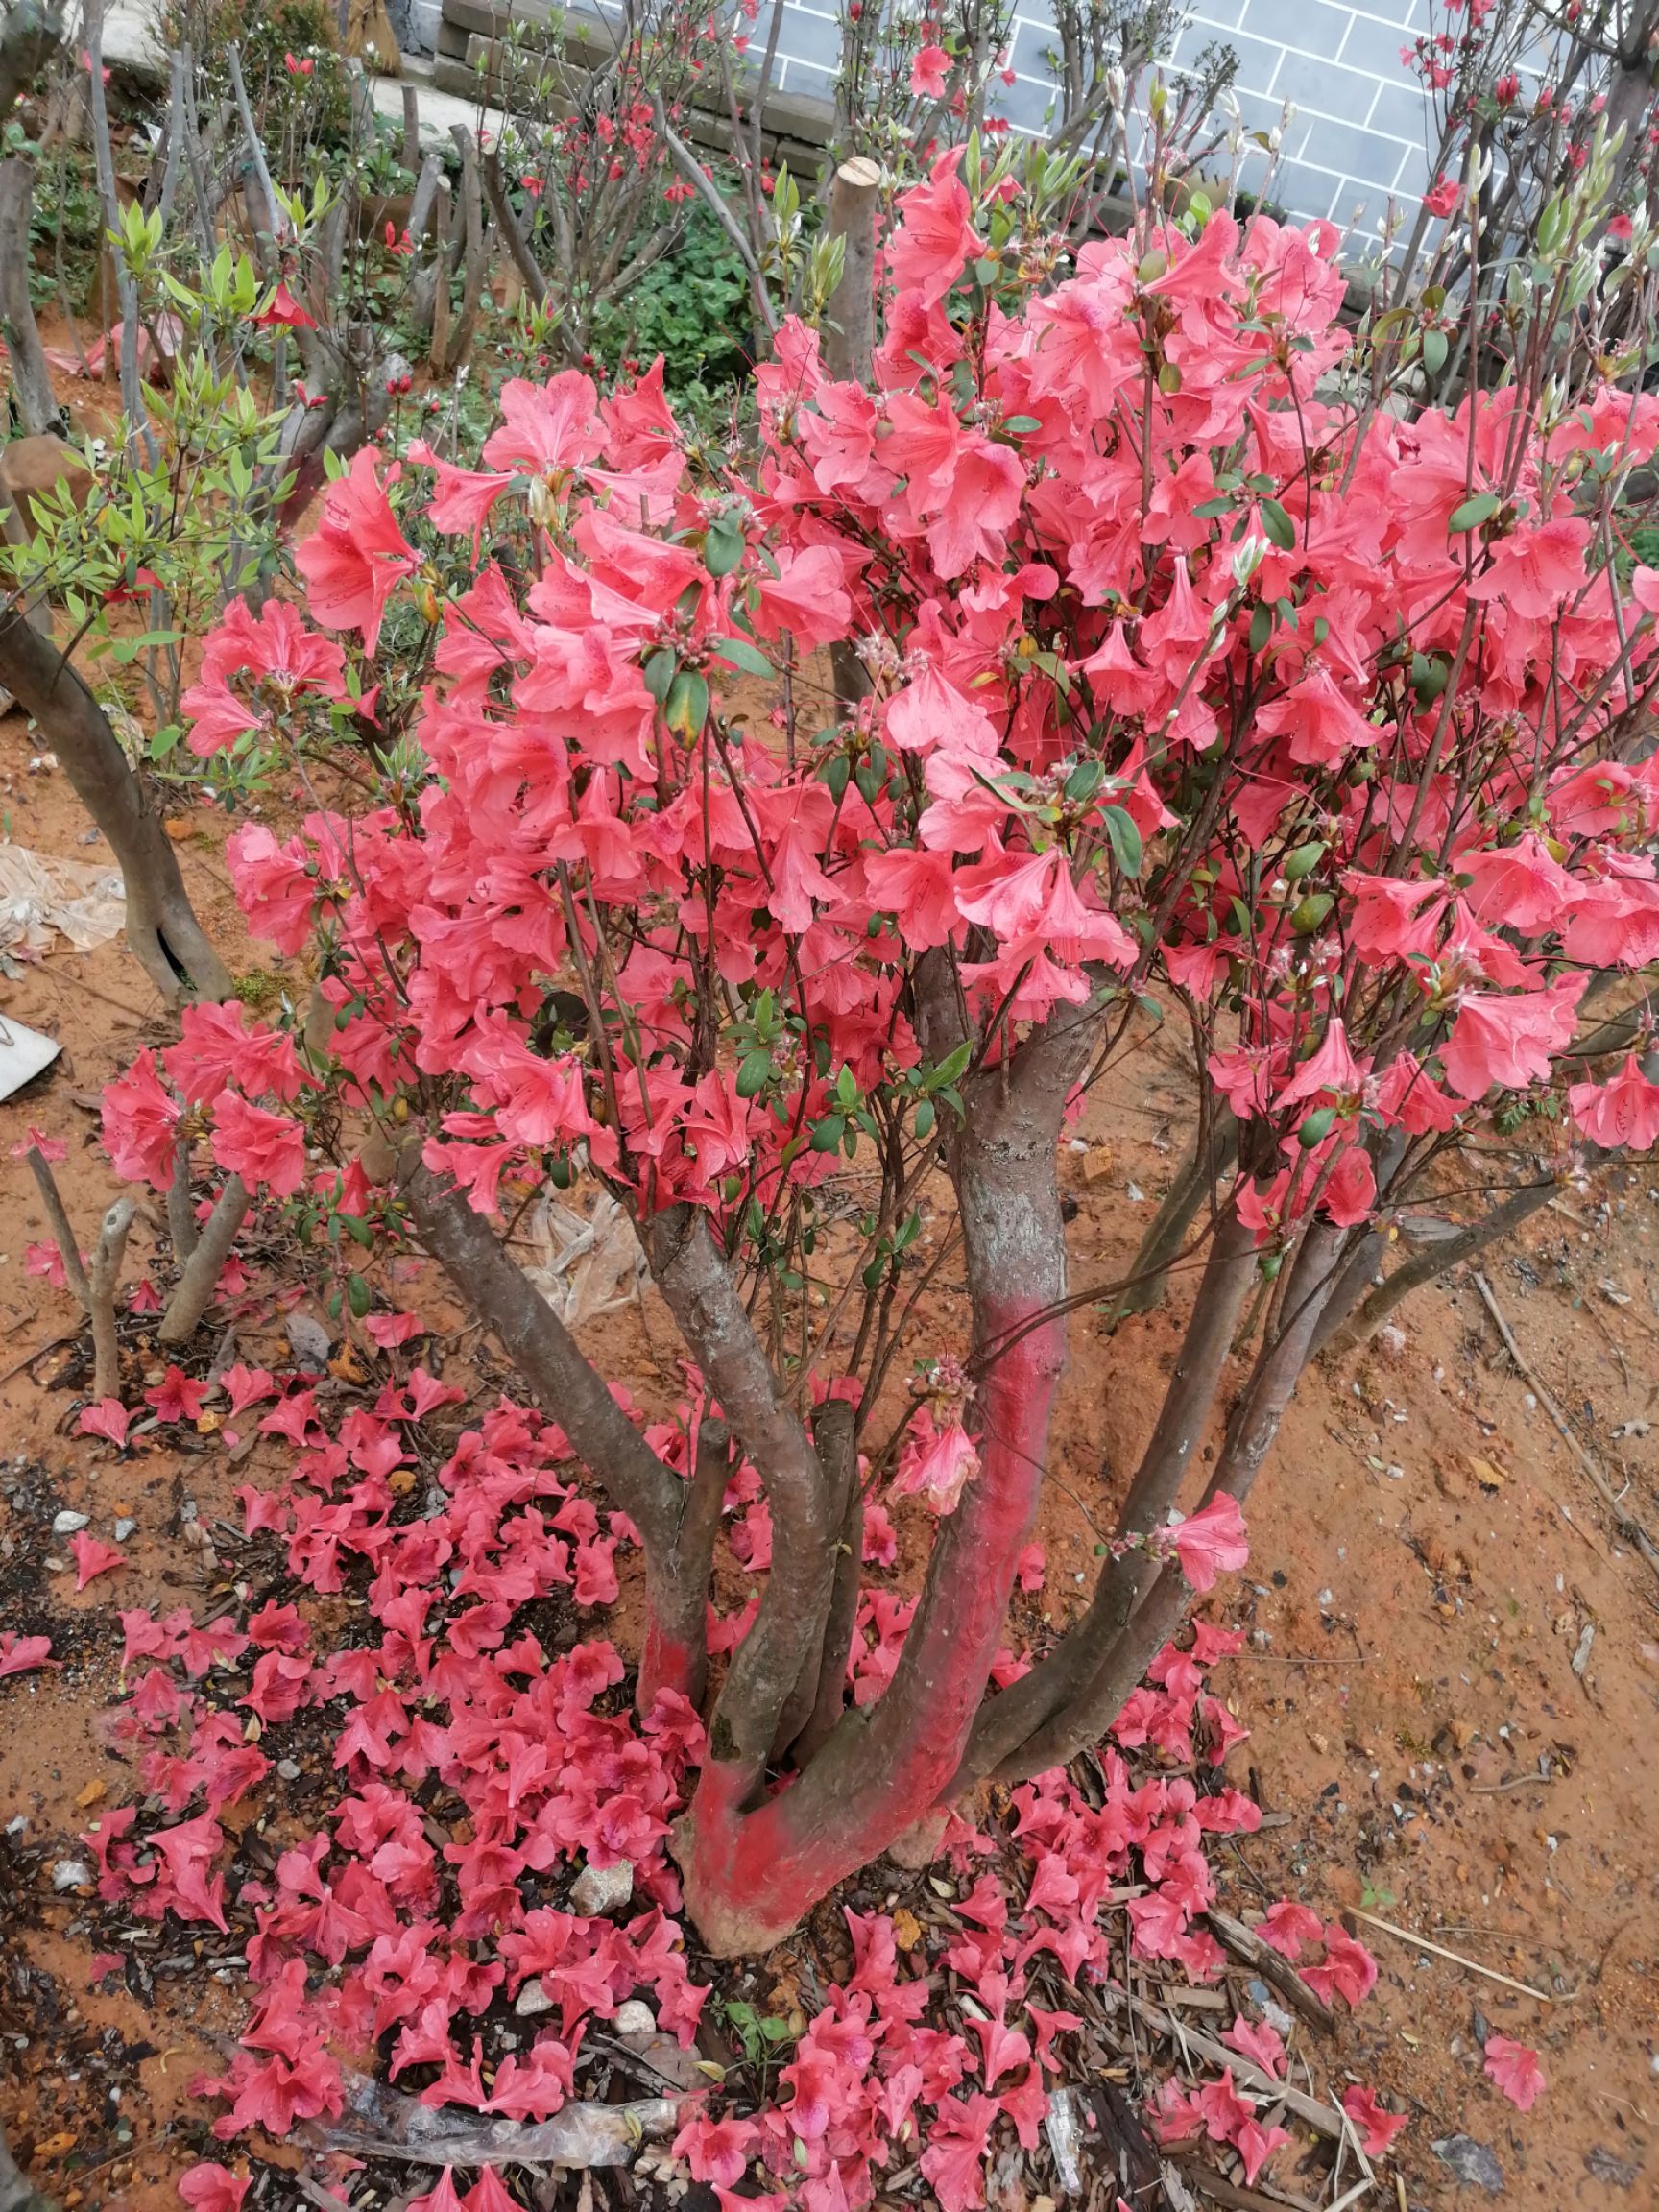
<point>162,930</point>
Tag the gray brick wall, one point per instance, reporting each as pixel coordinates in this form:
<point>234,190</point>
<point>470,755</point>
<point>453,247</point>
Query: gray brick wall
<point>1361,124</point>
<point>1358,135</point>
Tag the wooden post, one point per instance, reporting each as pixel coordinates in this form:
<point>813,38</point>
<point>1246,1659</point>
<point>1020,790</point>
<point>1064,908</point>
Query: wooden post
<point>440,289</point>
<point>471,213</point>
<point>850,318</point>
<point>412,129</point>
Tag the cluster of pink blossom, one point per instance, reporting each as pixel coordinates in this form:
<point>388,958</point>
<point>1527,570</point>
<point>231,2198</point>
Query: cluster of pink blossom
<point>373,1924</point>
<point>1396,638</point>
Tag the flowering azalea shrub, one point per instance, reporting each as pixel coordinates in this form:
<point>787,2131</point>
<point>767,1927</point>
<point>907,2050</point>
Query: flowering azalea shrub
<point>426,1926</point>
<point>1187,682</point>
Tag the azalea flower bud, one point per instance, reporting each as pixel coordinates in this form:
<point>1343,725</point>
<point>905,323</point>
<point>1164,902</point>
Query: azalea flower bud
<point>1247,558</point>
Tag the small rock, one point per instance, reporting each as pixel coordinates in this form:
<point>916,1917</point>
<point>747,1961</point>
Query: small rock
<point>66,1523</point>
<point>1272,2011</point>
<point>635,2018</point>
<point>289,1769</point>
<point>1616,2172</point>
<point>531,2000</point>
<point>308,1340</point>
<point>124,1530</point>
<point>1471,2162</point>
<point>71,1874</point>
<point>601,1889</point>
<point>16,1826</point>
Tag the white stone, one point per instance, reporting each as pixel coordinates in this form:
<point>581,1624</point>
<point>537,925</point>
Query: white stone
<point>601,1890</point>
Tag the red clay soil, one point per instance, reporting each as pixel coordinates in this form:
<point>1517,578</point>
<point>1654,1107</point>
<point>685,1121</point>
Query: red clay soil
<point>1450,1680</point>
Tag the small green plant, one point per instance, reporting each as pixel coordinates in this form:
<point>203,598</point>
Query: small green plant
<point>764,2038</point>
<point>692,307</point>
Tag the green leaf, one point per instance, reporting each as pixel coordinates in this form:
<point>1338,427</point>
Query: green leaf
<point>925,1118</point>
<point>361,1297</point>
<point>754,1074</point>
<point>1278,525</point>
<point>1308,914</point>
<point>1317,1128</point>
<point>950,1071</point>
<point>1304,860</point>
<point>827,1134</point>
<point>1261,628</point>
<point>1472,513</point>
<point>836,772</point>
<point>685,709</point>
<point>357,1229</point>
<point>1022,425</point>
<point>1125,840</point>
<point>740,654</point>
<point>659,670</point>
<point>722,548</point>
<point>1435,348</point>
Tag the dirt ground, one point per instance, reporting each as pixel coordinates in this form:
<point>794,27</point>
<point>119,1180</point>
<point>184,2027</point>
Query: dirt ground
<point>1451,1681</point>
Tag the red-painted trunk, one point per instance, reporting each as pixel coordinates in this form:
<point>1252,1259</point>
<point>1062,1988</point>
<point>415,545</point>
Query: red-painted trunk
<point>668,1663</point>
<point>751,1875</point>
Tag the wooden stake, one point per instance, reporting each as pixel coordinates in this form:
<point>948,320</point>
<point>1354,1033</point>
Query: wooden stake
<point>849,316</point>
<point>58,1222</point>
<point>106,1281</point>
<point>471,212</point>
<point>441,291</point>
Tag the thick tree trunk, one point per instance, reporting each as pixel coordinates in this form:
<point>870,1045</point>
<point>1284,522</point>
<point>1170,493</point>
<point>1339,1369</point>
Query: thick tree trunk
<point>566,1387</point>
<point>676,1653</point>
<point>31,379</point>
<point>1009,1719</point>
<point>1250,1435</point>
<point>833,1440</point>
<point>830,1701</point>
<point>753,1869</point>
<point>18,2193</point>
<point>162,930</point>
<point>697,1283</point>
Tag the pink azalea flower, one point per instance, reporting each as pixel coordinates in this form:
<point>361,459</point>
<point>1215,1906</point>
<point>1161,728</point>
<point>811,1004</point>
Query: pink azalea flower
<point>21,1654</point>
<point>93,1558</point>
<point>177,1396</point>
<point>1212,1542</point>
<point>1375,2125</point>
<point>51,1150</point>
<point>929,72</point>
<point>210,2187</point>
<point>1513,2068</point>
<point>282,310</point>
<point>355,559</point>
<point>1621,1113</point>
